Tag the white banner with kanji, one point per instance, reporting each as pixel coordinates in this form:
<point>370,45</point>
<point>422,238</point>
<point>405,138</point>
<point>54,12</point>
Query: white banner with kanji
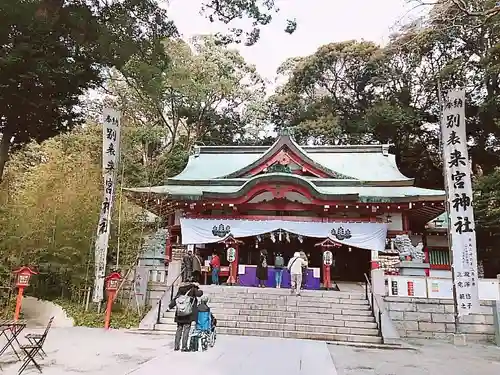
<point>457,169</point>
<point>110,154</point>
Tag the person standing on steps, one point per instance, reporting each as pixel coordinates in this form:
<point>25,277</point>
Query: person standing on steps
<point>304,269</point>
<point>295,266</point>
<point>279,263</point>
<point>187,266</point>
<point>262,269</point>
<point>197,261</point>
<point>215,264</point>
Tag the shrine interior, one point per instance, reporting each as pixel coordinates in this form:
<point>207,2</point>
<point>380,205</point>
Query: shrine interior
<point>349,263</point>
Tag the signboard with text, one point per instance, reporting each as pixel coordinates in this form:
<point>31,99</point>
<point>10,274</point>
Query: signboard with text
<point>110,153</point>
<point>457,171</point>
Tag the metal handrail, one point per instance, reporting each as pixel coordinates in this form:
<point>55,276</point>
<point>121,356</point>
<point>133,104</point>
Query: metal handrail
<point>171,287</point>
<point>373,300</point>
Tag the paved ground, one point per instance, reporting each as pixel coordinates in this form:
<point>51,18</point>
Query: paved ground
<point>97,352</point>
<point>249,355</point>
<point>430,358</point>
<point>80,350</point>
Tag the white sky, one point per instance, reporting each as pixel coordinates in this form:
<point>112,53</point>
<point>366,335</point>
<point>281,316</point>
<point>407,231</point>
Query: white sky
<point>319,22</point>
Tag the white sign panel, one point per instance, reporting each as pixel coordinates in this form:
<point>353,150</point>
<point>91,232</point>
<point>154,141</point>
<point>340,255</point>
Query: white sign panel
<point>110,152</point>
<point>459,197</point>
<point>407,287</point>
<point>439,288</point>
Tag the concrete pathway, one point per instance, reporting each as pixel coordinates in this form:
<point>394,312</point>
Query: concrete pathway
<point>247,355</point>
<point>429,358</point>
<point>93,351</point>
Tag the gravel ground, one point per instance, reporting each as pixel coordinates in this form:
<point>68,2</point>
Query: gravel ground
<point>429,358</point>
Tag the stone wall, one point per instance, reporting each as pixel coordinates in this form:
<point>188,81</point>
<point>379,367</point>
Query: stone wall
<point>434,318</point>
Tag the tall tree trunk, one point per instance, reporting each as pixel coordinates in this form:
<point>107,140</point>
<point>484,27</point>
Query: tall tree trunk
<point>4,151</point>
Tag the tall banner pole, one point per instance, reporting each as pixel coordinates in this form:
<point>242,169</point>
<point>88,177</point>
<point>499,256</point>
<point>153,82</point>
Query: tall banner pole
<point>459,196</point>
<point>110,153</point>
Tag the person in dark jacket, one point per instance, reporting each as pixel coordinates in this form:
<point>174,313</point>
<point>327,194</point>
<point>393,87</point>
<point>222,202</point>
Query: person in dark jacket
<point>187,266</point>
<point>262,269</point>
<point>197,264</point>
<point>184,322</point>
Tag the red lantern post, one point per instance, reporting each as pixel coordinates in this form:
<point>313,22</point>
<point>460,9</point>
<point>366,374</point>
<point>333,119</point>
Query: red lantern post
<point>232,248</point>
<point>327,260</point>
<point>112,284</point>
<point>23,276</point>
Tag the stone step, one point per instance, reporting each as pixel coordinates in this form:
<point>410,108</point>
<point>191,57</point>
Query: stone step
<point>299,335</point>
<point>289,305</point>
<point>352,315</point>
<point>298,327</point>
<point>166,327</point>
<point>276,293</point>
<point>289,301</point>
<point>369,324</point>
<point>271,293</point>
<point>169,329</point>
<point>244,310</point>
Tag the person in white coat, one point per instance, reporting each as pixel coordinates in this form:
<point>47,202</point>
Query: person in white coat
<point>295,267</point>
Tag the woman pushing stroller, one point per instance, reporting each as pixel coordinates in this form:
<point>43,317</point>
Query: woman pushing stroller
<point>186,312</point>
<point>190,323</point>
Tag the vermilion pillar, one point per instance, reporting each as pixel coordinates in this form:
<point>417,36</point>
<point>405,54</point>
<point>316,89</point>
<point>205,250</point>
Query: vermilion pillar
<point>327,281</point>
<point>234,265</point>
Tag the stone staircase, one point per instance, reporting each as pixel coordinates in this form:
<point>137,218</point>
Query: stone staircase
<point>317,315</point>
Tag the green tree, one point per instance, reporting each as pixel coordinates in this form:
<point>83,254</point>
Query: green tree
<point>49,219</point>
<point>487,202</point>
<point>53,50</point>
<point>327,93</point>
<point>259,11</point>
<point>203,93</point>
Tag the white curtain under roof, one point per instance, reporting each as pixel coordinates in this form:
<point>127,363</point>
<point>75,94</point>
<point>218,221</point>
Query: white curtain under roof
<point>369,236</point>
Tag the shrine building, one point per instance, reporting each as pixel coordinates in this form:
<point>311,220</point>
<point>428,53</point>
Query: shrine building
<point>350,200</point>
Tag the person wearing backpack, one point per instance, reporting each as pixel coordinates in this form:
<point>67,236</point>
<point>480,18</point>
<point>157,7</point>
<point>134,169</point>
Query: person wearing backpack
<point>279,263</point>
<point>295,266</point>
<point>186,306</point>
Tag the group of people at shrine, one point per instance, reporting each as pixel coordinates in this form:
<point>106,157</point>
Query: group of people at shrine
<point>193,263</point>
<point>297,266</point>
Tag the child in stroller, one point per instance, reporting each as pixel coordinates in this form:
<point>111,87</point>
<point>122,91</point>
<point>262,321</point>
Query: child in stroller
<point>204,332</point>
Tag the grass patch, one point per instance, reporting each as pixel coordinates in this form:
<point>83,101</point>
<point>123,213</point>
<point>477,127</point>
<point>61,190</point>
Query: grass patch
<point>120,316</point>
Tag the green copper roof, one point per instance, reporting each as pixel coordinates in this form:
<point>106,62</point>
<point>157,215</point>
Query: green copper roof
<point>366,163</point>
<point>365,192</point>
<point>365,173</point>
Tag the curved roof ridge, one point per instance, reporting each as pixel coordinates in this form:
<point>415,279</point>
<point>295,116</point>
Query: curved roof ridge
<point>356,162</point>
<point>283,141</point>
<point>283,177</point>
